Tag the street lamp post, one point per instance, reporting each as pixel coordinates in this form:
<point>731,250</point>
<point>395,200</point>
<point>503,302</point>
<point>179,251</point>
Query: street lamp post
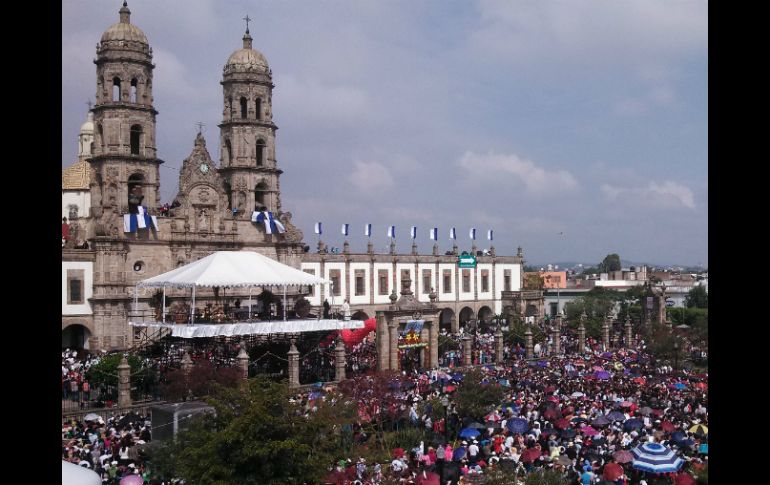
<point>676,356</point>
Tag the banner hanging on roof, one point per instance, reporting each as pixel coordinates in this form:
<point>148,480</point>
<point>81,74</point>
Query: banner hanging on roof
<point>410,337</point>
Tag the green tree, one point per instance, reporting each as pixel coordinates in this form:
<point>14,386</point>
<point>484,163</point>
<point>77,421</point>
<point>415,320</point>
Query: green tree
<point>105,373</point>
<point>256,437</point>
<point>697,297</point>
<point>611,262</point>
<point>475,399</point>
<point>533,281</point>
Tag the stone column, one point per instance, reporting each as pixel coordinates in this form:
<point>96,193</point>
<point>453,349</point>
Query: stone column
<point>243,361</point>
<point>434,343</point>
<point>383,344</point>
<point>528,345</point>
<point>498,346</point>
<point>581,337</point>
<point>124,383</point>
<point>455,324</point>
<point>629,335</point>
<point>424,356</point>
<point>393,348</point>
<point>556,337</point>
<point>615,340</point>
<point>187,363</point>
<point>467,350</point>
<point>293,365</point>
<point>606,334</point>
<point>339,361</point>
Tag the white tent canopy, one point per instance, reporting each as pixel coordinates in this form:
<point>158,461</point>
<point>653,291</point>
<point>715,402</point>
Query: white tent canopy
<point>233,269</point>
<point>72,474</point>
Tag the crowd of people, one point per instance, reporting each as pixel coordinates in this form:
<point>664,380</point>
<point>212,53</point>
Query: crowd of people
<point>579,414</point>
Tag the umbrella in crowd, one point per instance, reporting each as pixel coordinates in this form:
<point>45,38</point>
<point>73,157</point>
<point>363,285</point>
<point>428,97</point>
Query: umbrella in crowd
<point>603,375</point>
<point>552,413</point>
<point>469,433</point>
<point>655,458</point>
<point>561,424</point>
<point>568,433</point>
<point>612,471</point>
<point>633,424</point>
<point>529,455</point>
<point>626,404</point>
<point>623,456</point>
<point>684,479</point>
<point>699,430</point>
<point>704,448</point>
<point>458,454</point>
<point>645,411</point>
<point>517,425</point>
<point>131,480</point>
<point>667,426</point>
<point>589,431</point>
<point>91,417</point>
<point>600,421</point>
<point>564,460</point>
<point>577,394</point>
<point>678,436</point>
<point>680,385</point>
<point>616,416</point>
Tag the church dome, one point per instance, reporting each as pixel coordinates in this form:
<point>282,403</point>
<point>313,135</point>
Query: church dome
<point>124,30</point>
<point>246,59</point>
<point>87,128</point>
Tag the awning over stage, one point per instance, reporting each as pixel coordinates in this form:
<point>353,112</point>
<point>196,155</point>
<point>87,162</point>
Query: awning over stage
<point>256,328</point>
<point>233,269</point>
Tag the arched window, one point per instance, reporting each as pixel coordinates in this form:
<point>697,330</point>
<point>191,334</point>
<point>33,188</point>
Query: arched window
<point>101,136</point>
<point>132,96</point>
<point>260,152</point>
<point>229,192</point>
<point>135,192</point>
<point>259,109</point>
<point>260,191</point>
<point>228,151</point>
<point>136,136</point>
<point>244,107</point>
<point>116,89</point>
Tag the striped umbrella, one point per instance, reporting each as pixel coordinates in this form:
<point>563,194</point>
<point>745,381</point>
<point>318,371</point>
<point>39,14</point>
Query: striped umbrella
<point>655,458</point>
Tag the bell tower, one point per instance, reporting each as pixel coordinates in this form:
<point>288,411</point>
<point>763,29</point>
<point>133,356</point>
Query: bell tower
<point>247,133</point>
<point>125,167</point>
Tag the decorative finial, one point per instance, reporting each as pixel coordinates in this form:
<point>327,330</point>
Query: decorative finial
<point>200,126</point>
<point>247,19</point>
<point>89,104</point>
<point>125,14</point>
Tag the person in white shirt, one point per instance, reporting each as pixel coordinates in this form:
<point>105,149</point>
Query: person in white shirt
<point>345,310</point>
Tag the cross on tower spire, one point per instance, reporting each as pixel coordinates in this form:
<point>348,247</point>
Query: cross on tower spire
<point>200,125</point>
<point>247,19</point>
<point>89,104</point>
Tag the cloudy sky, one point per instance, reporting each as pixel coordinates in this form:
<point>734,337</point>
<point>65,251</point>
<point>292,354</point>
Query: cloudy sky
<point>572,128</point>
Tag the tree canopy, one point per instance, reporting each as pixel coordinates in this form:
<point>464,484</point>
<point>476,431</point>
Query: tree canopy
<point>611,262</point>
<point>697,297</point>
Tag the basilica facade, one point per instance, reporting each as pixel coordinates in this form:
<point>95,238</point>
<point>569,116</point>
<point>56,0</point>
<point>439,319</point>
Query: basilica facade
<point>119,233</point>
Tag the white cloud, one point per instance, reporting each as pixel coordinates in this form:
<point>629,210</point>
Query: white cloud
<point>536,180</point>
<point>371,177</point>
<point>666,194</point>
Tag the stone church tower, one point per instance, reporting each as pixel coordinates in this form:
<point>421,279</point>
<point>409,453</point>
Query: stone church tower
<point>213,208</point>
<point>124,162</point>
<point>247,139</point>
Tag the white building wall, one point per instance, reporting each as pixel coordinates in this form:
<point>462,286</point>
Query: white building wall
<point>82,199</point>
<point>446,296</point>
<point>485,295</point>
<point>378,298</point>
<point>336,299</point>
<point>360,299</point>
<point>315,297</point>
<point>399,268</point>
<point>88,283</point>
<point>462,295</point>
<point>424,292</point>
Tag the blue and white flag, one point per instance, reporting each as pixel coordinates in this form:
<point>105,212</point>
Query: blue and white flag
<point>490,235</point>
<point>141,220</point>
<point>414,232</point>
<point>368,230</point>
<point>318,228</point>
<point>392,231</point>
<point>472,233</point>
<point>434,234</point>
<point>272,226</point>
<point>345,229</point>
<point>452,233</point>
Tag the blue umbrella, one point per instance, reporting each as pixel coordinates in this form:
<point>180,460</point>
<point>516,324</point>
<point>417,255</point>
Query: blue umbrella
<point>457,376</point>
<point>616,416</point>
<point>458,453</point>
<point>680,386</point>
<point>655,458</point>
<point>542,363</point>
<point>469,433</point>
<point>517,425</point>
<point>632,424</point>
<point>504,382</point>
<point>603,375</point>
<point>678,436</point>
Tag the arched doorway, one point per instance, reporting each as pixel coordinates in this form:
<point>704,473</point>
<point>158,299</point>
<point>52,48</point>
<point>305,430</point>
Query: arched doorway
<point>485,318</point>
<point>75,337</point>
<point>466,315</point>
<point>359,315</point>
<point>445,319</point>
<point>531,311</point>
